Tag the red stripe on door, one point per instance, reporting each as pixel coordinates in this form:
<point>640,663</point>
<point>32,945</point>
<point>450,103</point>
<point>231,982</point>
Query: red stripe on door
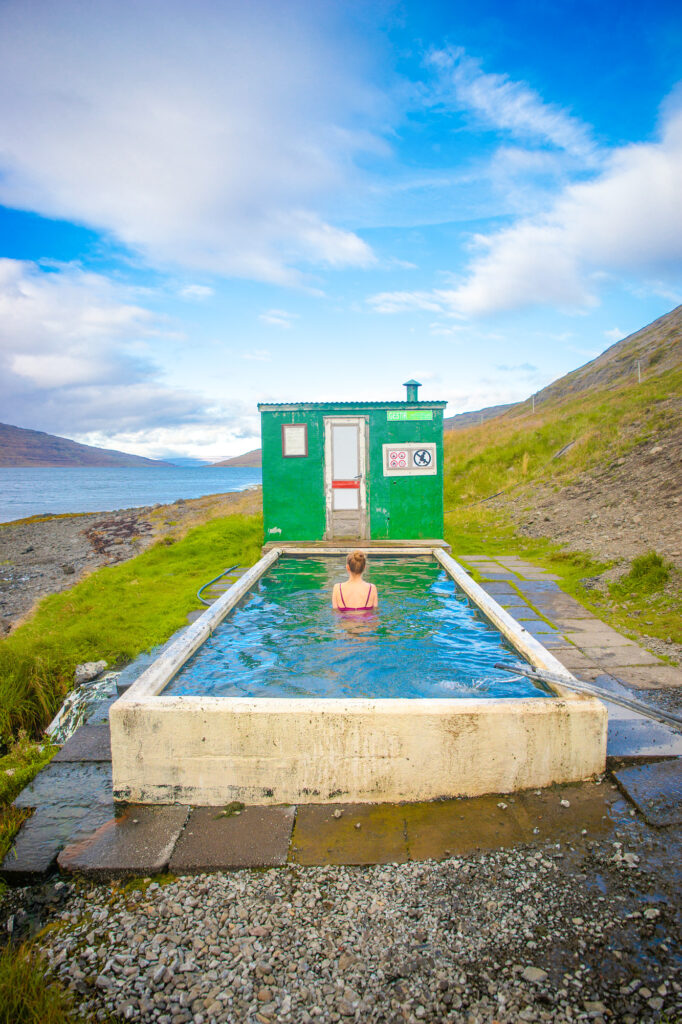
<point>338,484</point>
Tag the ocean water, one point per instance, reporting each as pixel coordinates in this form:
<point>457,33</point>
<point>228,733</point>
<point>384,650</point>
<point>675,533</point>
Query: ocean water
<point>426,639</point>
<point>29,491</point>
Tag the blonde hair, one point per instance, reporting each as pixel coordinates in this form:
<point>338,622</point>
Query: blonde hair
<point>356,562</point>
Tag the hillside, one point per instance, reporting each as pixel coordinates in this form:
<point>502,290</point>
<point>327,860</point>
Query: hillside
<point>22,447</point>
<point>468,419</point>
<point>657,347</point>
<point>597,468</point>
<point>253,458</point>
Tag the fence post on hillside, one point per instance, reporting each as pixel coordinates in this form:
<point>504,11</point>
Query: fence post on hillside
<point>639,373</point>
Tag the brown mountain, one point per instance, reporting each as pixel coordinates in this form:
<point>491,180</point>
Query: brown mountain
<point>22,447</point>
<point>469,419</point>
<point>253,459</point>
<point>656,347</point>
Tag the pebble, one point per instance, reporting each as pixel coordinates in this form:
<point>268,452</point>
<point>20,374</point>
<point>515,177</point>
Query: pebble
<point>506,935</point>
<point>534,974</point>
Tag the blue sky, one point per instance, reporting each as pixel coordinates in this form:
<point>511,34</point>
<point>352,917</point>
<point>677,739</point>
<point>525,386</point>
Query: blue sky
<point>208,204</point>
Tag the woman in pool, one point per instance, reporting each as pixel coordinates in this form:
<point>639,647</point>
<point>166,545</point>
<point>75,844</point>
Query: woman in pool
<point>355,595</point>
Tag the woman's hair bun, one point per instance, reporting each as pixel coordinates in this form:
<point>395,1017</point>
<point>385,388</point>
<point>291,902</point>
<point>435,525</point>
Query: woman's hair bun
<point>356,562</point>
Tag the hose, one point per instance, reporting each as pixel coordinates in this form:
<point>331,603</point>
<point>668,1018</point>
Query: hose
<point>214,580</point>
<point>595,691</point>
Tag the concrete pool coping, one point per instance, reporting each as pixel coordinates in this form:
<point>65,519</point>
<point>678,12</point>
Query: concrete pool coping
<point>212,750</point>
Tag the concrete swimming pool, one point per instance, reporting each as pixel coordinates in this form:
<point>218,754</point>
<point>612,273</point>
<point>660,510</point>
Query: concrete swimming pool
<point>285,701</point>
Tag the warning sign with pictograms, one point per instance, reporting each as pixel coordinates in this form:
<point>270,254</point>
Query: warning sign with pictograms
<point>412,459</point>
<point>397,458</point>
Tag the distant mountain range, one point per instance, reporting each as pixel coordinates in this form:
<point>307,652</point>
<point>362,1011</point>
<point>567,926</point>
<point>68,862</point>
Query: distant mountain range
<point>652,350</point>
<point>22,447</point>
<point>253,458</point>
<point>468,419</point>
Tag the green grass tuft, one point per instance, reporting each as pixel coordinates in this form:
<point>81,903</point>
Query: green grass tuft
<point>648,574</point>
<point>25,995</point>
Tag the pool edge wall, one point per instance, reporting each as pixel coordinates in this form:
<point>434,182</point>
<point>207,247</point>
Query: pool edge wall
<point>210,751</point>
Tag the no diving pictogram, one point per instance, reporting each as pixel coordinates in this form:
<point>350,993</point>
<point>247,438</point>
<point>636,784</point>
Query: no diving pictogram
<point>422,458</point>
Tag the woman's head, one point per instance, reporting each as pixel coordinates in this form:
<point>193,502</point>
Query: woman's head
<point>356,562</point>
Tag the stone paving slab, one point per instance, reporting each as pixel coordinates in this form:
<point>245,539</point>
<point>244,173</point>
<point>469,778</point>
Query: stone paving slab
<point>321,838</point>
<point>592,627</point>
<point>495,576</point>
<point>513,600</point>
<point>539,586</point>
<point>656,790</point>
<point>552,641</point>
<point>71,785</point>
<point>456,827</point>
<point>88,743</point>
<point>68,798</point>
<point>633,735</point>
<point>612,658</point>
<point>532,575</point>
<point>212,841</point>
<point>591,806</point>
<point>656,677</point>
<point>42,837</point>
<point>586,670</point>
<point>496,587</point>
<point>564,608</point>
<point>610,647</point>
<point>575,660</point>
<point>139,841</point>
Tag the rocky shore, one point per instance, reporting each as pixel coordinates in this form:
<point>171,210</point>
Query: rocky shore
<point>47,554</point>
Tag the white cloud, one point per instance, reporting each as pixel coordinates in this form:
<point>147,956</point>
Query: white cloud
<point>209,136</point>
<point>196,291</point>
<point>614,334</point>
<point>405,302</point>
<point>204,441</point>
<point>75,357</point>
<point>65,326</point>
<point>278,318</point>
<point>627,219</point>
<point>498,102</point>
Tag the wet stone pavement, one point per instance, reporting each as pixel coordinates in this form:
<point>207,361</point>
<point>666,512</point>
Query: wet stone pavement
<point>560,904</point>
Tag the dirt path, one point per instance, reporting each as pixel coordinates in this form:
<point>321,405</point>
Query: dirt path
<point>45,555</point>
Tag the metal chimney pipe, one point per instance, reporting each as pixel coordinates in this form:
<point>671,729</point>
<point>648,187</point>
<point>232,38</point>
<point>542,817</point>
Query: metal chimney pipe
<point>412,390</point>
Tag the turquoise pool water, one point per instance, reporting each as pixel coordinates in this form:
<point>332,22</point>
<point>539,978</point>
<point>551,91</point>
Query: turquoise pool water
<point>284,640</point>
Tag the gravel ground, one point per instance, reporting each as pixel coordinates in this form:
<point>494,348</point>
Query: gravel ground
<point>583,932</point>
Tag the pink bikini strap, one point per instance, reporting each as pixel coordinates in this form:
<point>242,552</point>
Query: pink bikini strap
<point>369,594</point>
<point>341,594</point>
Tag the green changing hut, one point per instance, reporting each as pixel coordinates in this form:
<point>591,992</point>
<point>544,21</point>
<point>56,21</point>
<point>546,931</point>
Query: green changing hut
<point>353,470</point>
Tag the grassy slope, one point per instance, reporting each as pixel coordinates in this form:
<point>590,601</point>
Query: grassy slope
<point>114,614</point>
<point>514,454</point>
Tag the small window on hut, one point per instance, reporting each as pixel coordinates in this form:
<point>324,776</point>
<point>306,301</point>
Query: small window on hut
<point>294,440</point>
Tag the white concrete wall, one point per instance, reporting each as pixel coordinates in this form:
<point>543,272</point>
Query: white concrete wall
<point>212,750</point>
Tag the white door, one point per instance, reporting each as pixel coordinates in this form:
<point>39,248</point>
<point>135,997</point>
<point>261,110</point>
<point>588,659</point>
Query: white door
<point>345,467</point>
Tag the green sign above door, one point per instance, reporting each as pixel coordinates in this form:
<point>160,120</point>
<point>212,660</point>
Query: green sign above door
<point>409,414</point>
